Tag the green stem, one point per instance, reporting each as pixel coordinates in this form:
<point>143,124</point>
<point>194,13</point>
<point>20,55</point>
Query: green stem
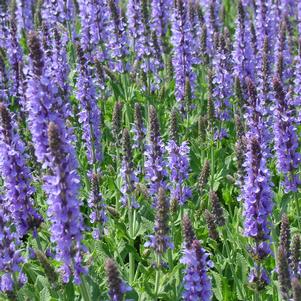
<point>228,256</point>
<point>158,274</point>
<point>131,232</point>
<point>298,209</point>
<point>212,163</point>
<point>39,242</point>
<point>84,290</point>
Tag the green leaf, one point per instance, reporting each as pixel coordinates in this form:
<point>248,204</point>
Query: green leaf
<point>218,291</point>
<point>45,295</point>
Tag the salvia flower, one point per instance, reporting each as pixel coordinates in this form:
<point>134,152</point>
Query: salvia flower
<point>47,267</point>
<point>10,255</point>
<point>204,176</point>
<point>284,273</point>
<point>286,138</point>
<point>160,14</point>
<point>3,23</point>
<point>297,78</point>
<point>118,41</point>
<point>182,52</point>
<point>117,122</point>
<point>211,224</point>
<point>60,68</point>
<point>155,165</point>
<point>258,277</point>
<point>264,80</point>
<point>197,284</point>
<point>173,126</point>
<point>15,56</point>
<point>178,163</point>
<point>89,115</point>
<point>262,22</point>
<point>243,56</point>
<point>3,80</point>
<point>188,231</point>
<point>17,177</point>
<point>160,241</point>
<point>217,209</point>
<point>196,29</point>
<point>117,288</point>
<point>62,187</point>
<point>257,193</point>
<point>222,81</point>
<point>295,255</point>
<point>285,234</point>
<point>283,58</point>
<point>139,129</point>
<point>296,287</point>
<point>94,30</point>
<point>42,102</point>
<point>129,178</point>
<point>144,45</point>
<point>98,215</point>
<point>53,12</point>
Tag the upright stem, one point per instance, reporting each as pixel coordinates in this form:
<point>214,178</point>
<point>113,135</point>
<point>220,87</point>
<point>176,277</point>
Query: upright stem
<point>298,209</point>
<point>228,256</point>
<point>131,255</point>
<point>84,290</point>
<point>158,274</point>
<point>39,242</point>
<point>212,163</point>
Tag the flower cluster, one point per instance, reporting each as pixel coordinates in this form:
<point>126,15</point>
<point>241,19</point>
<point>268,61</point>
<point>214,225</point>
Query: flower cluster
<point>243,56</point>
<point>90,114</point>
<point>155,171</point>
<point>286,138</point>
<point>118,41</point>
<point>129,178</point>
<point>145,44</point>
<point>96,203</point>
<point>62,187</point>
<point>197,284</point>
<point>10,255</point>
<point>160,241</point>
<point>43,104</point>
<point>257,193</point>
<point>117,288</point>
<point>222,80</point>
<point>182,52</point>
<point>17,178</point>
<point>178,163</point>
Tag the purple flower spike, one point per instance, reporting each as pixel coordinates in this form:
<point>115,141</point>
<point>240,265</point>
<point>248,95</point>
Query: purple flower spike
<point>118,39</point>
<point>145,44</point>
<point>178,163</point>
<point>10,256</point>
<point>182,52</point>
<point>197,284</point>
<point>161,10</point>
<point>161,241</point>
<point>286,138</point>
<point>222,81</point>
<point>43,101</point>
<point>16,176</point>
<point>94,29</point>
<point>257,193</point>
<point>129,178</point>
<point>243,55</point>
<point>90,115</point>
<point>97,205</point>
<point>62,187</point>
<point>155,171</point>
